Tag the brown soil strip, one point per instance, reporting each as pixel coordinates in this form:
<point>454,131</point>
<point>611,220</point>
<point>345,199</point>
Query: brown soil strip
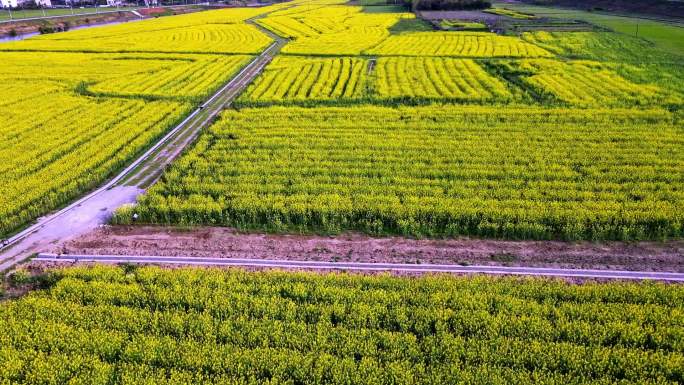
<point>229,243</point>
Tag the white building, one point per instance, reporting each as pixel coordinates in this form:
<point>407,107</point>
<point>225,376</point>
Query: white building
<point>17,3</point>
<point>8,3</point>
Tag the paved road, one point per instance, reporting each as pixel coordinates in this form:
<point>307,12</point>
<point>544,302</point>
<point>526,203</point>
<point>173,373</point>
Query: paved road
<point>96,208</point>
<point>85,215</point>
<point>363,266</point>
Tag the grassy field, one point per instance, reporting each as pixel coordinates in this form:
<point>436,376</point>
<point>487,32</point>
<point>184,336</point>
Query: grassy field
<point>19,14</point>
<point>667,35</point>
<point>111,325</point>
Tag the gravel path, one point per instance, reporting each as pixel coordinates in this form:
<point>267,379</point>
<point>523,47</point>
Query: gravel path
<point>211,242</point>
<point>361,266</point>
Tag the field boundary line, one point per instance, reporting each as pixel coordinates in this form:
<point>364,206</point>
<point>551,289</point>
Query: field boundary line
<point>365,266</point>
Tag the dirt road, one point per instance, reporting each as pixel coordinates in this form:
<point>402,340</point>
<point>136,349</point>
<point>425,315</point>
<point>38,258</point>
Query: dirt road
<point>96,208</point>
<point>209,242</point>
<point>360,266</point>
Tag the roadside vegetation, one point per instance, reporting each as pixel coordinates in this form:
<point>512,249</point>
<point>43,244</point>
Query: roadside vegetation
<point>130,325</point>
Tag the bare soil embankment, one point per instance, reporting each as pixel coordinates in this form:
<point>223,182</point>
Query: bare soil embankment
<point>229,243</point>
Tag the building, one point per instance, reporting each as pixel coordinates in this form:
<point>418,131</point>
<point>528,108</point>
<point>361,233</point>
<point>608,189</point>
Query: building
<point>19,3</point>
<point>8,3</point>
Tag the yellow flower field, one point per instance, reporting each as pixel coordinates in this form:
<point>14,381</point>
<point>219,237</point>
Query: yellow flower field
<point>466,44</point>
<point>72,119</point>
<point>295,78</point>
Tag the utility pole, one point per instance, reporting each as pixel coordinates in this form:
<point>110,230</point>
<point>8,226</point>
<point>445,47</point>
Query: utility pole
<point>636,34</point>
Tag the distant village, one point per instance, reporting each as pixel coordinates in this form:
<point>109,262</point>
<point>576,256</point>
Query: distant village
<point>70,3</point>
<point>25,3</point>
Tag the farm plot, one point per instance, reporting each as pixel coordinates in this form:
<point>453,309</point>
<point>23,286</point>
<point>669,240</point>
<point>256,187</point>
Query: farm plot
<point>586,83</point>
<point>600,46</point>
<point>104,325</point>
<point>182,77</point>
<point>290,78</point>
<point>207,38</point>
<point>71,119</point>
<point>432,171</point>
<point>354,41</point>
<point>307,81</point>
<point>510,13</point>
<point>465,44</point>
<point>301,21</point>
<point>589,84</point>
<point>334,30</point>
<point>436,78</point>
<point>50,156</point>
<point>661,35</point>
